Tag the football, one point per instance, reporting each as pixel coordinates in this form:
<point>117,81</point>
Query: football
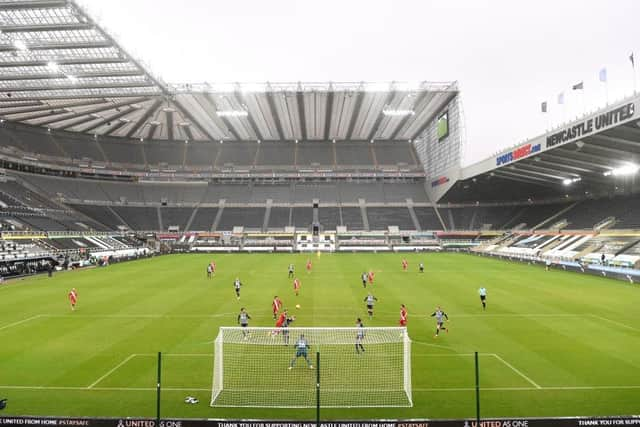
<point>297,305</point>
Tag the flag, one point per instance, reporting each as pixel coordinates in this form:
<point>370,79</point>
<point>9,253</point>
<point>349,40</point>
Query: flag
<point>561,98</point>
<point>578,86</point>
<point>633,62</point>
<point>603,75</point>
<point>543,107</point>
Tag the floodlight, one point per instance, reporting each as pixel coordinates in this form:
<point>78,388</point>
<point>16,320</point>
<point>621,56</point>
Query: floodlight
<point>20,45</point>
<point>53,66</point>
<point>398,112</point>
<point>232,113</point>
<point>569,181</point>
<point>628,169</point>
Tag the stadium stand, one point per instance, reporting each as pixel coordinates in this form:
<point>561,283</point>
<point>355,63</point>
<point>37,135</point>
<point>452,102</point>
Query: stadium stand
<point>175,217</point>
<point>590,212</point>
<point>354,154</point>
<point>101,214</point>
<point>315,153</point>
<point>203,219</point>
<point>158,153</point>
<point>237,154</point>
<point>301,217</point>
<point>381,218</point>
<point>329,217</point>
<point>352,218</point>
<point>201,155</point>
<point>139,218</point>
<point>274,153</point>
<point>393,153</point>
<point>123,152</point>
<point>537,214</point>
<point>77,147</point>
<point>279,217</point>
<point>428,218</point>
<point>251,218</point>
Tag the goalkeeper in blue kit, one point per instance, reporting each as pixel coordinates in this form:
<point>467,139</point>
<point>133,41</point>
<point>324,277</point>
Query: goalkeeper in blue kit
<point>302,350</point>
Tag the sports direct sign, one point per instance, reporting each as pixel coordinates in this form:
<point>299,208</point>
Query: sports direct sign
<point>517,154</point>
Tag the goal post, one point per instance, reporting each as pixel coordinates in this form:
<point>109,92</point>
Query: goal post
<point>262,367</point>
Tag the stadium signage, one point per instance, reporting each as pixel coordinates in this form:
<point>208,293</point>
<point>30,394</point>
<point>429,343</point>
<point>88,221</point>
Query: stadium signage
<point>439,181</point>
<point>588,126</point>
<point>517,154</point>
<point>149,422</point>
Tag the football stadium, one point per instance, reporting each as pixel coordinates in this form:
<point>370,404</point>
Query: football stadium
<point>286,254</point>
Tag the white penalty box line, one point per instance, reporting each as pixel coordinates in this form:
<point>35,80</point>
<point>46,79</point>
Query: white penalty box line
<point>500,359</point>
<point>132,355</point>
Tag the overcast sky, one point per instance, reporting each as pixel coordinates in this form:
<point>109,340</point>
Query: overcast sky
<point>507,56</point>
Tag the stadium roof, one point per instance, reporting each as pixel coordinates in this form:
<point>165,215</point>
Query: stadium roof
<point>59,69</point>
<point>598,153</point>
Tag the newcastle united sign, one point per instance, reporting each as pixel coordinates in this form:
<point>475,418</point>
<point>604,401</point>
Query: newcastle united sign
<point>586,127</point>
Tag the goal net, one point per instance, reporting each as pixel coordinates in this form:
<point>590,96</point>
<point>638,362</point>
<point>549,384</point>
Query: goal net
<point>258,367</point>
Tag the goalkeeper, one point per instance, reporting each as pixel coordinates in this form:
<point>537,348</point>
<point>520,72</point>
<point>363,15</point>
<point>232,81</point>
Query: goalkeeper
<point>302,350</point>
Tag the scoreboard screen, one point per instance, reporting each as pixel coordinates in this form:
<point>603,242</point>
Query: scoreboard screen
<point>442,125</point>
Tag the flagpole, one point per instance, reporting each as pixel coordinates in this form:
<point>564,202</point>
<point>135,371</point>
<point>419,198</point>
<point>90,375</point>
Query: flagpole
<point>633,69</point>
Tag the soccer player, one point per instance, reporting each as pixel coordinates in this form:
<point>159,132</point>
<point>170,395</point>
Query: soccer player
<point>483,297</point>
<point>236,286</point>
<point>421,267</point>
<point>276,305</point>
<point>370,300</point>
<point>371,276</point>
<point>364,279</point>
<point>302,350</point>
<point>285,328</point>
<point>405,264</point>
<point>403,315</point>
<point>440,316</point>
<point>296,286</point>
<point>213,267</point>
<point>283,321</point>
<point>209,271</point>
<point>309,265</point>
<point>73,298</point>
<point>243,321</point>
<point>359,336</point>
<point>291,270</point>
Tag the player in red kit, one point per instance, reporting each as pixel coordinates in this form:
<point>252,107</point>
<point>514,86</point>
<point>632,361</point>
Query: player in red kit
<point>276,305</point>
<point>73,298</point>
<point>371,276</point>
<point>296,286</point>
<point>281,319</point>
<point>403,315</point>
<point>405,264</point>
<point>309,265</point>
<point>282,322</point>
<point>213,267</point>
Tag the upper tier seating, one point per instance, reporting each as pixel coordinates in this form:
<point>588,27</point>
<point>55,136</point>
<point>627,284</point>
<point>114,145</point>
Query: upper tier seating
<point>381,218</point>
<point>588,213</point>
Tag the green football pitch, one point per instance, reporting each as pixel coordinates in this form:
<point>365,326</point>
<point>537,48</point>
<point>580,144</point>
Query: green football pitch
<point>550,343</point>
